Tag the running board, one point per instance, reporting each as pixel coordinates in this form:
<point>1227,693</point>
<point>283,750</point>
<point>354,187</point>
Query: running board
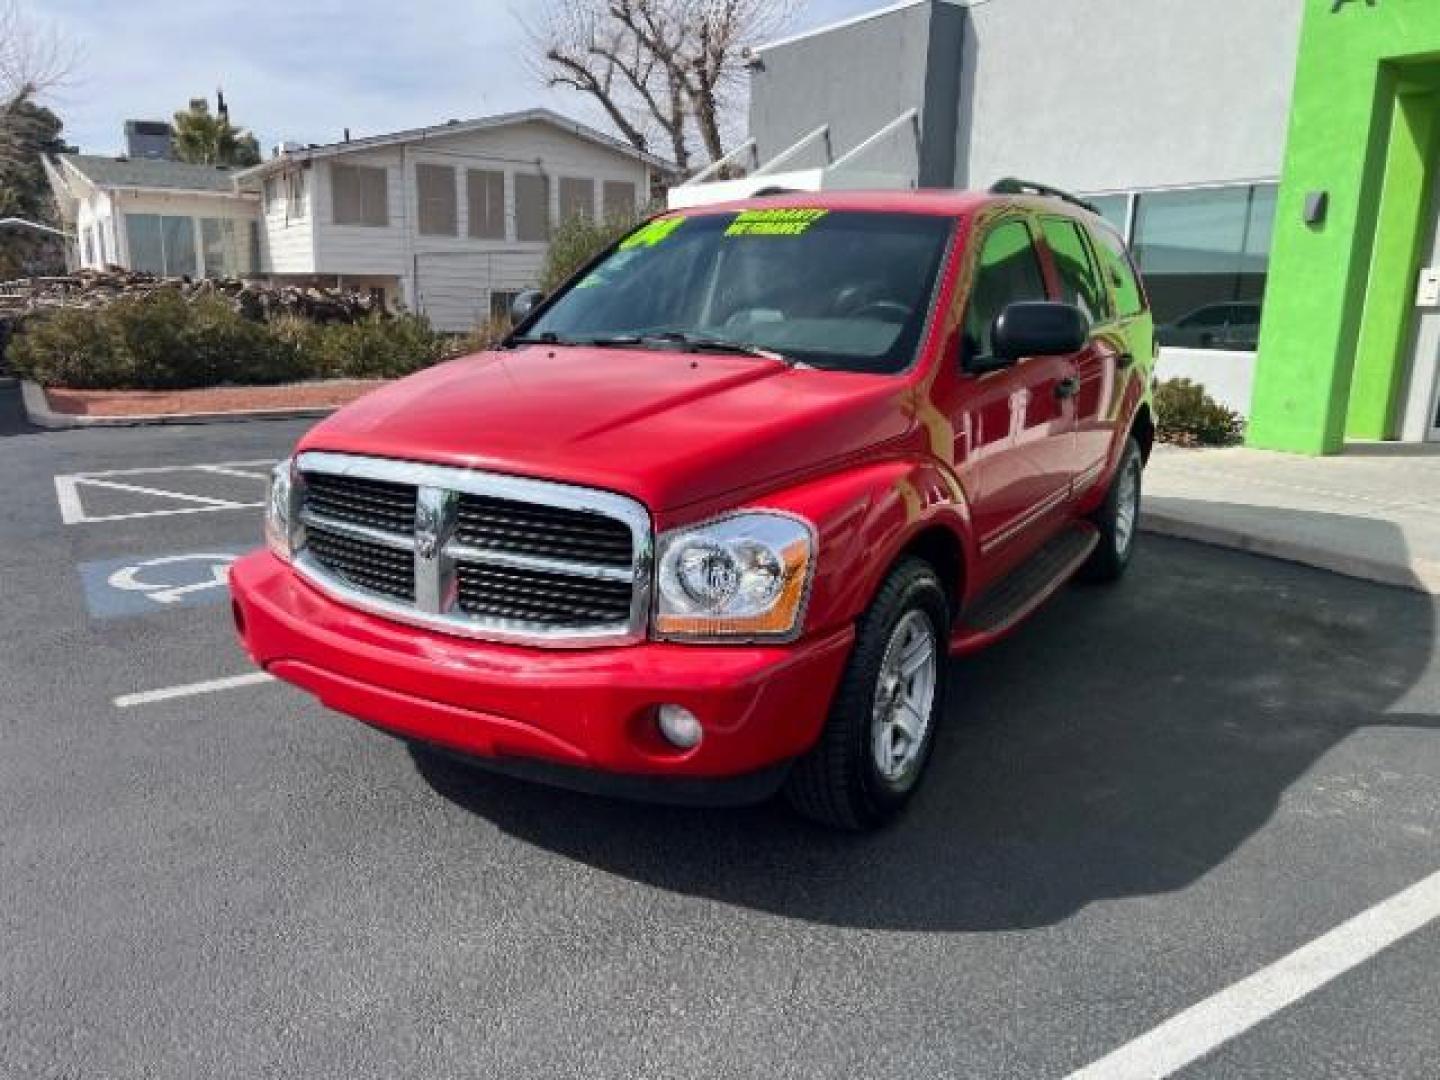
<point>1006,603</point>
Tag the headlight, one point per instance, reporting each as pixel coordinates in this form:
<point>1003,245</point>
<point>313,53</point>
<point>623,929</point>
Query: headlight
<point>739,577</point>
<point>279,509</point>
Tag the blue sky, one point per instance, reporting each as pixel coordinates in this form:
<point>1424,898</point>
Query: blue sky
<point>305,71</point>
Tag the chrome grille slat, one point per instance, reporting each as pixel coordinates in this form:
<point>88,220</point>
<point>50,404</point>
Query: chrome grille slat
<point>505,525</point>
<point>357,562</point>
<point>478,554</point>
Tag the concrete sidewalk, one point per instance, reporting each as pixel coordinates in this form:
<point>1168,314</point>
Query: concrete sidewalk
<point>1372,512</point>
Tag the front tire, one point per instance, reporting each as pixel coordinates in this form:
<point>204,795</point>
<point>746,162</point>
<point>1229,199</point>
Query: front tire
<point>878,738</point>
<point>1118,519</point>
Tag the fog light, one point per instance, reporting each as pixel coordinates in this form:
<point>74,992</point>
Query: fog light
<point>680,727</point>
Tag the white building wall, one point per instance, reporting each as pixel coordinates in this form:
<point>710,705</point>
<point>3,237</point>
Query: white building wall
<point>449,278</point>
<point>287,242</point>
<point>1104,95</point>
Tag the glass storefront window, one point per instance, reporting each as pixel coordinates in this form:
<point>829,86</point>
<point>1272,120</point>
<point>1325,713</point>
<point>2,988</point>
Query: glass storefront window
<point>1113,208</point>
<point>1204,255</point>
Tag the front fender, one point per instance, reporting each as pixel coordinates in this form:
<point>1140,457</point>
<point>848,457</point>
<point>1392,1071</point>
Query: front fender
<point>865,517</point>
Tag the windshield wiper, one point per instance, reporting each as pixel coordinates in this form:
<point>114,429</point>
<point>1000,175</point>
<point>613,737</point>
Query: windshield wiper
<point>694,343</point>
<point>549,337</point>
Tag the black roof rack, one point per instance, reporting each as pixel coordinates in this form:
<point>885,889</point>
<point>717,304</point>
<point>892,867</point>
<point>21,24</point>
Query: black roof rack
<point>1012,185</point>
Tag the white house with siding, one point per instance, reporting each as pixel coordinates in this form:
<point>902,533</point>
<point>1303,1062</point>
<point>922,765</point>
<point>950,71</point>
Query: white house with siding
<point>450,220</point>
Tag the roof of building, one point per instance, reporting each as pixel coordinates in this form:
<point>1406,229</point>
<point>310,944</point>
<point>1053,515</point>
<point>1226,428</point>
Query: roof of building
<point>458,127</point>
<point>113,172</point>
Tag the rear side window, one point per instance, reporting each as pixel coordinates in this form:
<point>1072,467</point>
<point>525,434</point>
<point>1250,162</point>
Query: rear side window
<point>1079,279</point>
<point>1121,272</point>
<point>1009,271</point>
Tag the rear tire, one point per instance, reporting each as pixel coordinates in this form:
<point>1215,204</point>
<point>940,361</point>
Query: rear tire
<point>1117,519</point>
<point>876,743</point>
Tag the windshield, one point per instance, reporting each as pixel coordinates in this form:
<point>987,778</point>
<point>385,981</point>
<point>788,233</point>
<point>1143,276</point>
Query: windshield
<point>831,289</point>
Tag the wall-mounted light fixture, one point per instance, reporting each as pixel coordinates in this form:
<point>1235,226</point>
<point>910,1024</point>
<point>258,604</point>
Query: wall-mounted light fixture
<point>1317,206</point>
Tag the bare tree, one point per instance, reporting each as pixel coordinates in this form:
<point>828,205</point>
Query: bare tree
<point>668,70</point>
<point>34,57</point>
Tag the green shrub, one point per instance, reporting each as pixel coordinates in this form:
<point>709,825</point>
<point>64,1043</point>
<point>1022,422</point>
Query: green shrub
<point>378,348</point>
<point>162,342</point>
<point>575,243</point>
<point>1187,416</point>
<point>479,338</point>
<point>68,347</point>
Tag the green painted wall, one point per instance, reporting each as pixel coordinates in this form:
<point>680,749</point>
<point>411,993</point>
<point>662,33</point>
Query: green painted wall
<point>1357,62</point>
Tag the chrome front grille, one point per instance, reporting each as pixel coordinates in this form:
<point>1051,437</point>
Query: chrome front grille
<point>473,553</point>
<point>503,525</point>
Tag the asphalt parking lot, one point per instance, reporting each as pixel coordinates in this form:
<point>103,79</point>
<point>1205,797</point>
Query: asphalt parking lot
<point>1143,799</point>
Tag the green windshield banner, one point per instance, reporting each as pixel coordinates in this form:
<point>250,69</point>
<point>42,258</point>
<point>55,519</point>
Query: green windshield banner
<point>779,222</point>
<point>651,233</point>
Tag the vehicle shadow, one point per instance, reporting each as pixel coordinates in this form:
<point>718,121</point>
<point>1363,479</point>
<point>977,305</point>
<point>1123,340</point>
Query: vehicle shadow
<point>1124,742</point>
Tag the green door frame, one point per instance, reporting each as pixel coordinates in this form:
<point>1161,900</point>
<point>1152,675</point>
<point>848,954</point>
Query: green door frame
<point>1363,130</point>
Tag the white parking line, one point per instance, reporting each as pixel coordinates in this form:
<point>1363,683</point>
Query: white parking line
<point>69,489</point>
<point>1192,1034</point>
<point>210,686</point>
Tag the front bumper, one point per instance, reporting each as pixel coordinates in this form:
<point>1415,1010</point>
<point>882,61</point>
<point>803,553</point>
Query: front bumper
<point>590,711</point>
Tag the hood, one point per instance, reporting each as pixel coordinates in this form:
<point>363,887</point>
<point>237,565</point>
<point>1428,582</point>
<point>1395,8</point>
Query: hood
<point>668,428</point>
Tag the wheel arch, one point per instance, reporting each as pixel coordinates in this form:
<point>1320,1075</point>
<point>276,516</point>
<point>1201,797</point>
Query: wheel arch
<point>1142,430</point>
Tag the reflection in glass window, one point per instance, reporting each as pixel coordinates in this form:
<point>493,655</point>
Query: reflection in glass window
<point>1204,256</point>
<point>228,247</point>
<point>1079,282</point>
<point>1113,208</point>
<point>147,254</point>
<point>161,244</point>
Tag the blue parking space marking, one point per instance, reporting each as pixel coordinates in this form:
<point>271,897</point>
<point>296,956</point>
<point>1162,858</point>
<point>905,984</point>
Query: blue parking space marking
<point>145,584</point>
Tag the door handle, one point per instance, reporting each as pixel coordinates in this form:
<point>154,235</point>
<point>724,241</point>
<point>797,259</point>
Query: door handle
<point>1067,387</point>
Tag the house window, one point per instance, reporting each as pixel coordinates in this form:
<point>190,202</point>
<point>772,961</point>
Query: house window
<point>577,198</point>
<point>532,207</point>
<point>294,195</point>
<point>86,253</point>
<point>227,246</point>
<point>485,198</point>
<point>501,301</point>
<point>161,244</point>
<point>1204,255</point>
<point>360,194</point>
<point>619,202</point>
<point>435,192</point>
<point>271,189</point>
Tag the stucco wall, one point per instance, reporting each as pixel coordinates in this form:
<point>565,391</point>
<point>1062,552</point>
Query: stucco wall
<point>857,78</point>
<point>1098,95</point>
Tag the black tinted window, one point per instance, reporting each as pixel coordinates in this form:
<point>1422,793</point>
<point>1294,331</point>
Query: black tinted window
<point>1009,270</point>
<point>834,289</point>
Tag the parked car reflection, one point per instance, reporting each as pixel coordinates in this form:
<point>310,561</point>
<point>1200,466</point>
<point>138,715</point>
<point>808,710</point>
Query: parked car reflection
<point>1233,326</point>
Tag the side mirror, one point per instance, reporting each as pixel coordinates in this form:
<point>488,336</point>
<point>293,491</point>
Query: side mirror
<point>524,304</point>
<point>1038,328</point>
<point>1032,328</point>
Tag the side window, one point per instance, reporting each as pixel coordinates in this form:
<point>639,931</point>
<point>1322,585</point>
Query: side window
<point>1118,268</point>
<point>1079,280</point>
<point>1009,271</point>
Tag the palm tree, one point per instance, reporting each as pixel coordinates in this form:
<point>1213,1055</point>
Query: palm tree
<point>205,138</point>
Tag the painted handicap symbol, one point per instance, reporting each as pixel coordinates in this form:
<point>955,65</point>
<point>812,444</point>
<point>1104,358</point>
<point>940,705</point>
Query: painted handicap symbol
<point>145,584</point>
<point>212,572</point>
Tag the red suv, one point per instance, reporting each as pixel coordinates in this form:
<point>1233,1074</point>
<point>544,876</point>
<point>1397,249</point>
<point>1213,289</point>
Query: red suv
<point>710,522</point>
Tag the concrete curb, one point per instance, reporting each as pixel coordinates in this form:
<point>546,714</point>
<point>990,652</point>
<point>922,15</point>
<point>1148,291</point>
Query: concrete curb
<point>37,409</point>
<point>1418,575</point>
